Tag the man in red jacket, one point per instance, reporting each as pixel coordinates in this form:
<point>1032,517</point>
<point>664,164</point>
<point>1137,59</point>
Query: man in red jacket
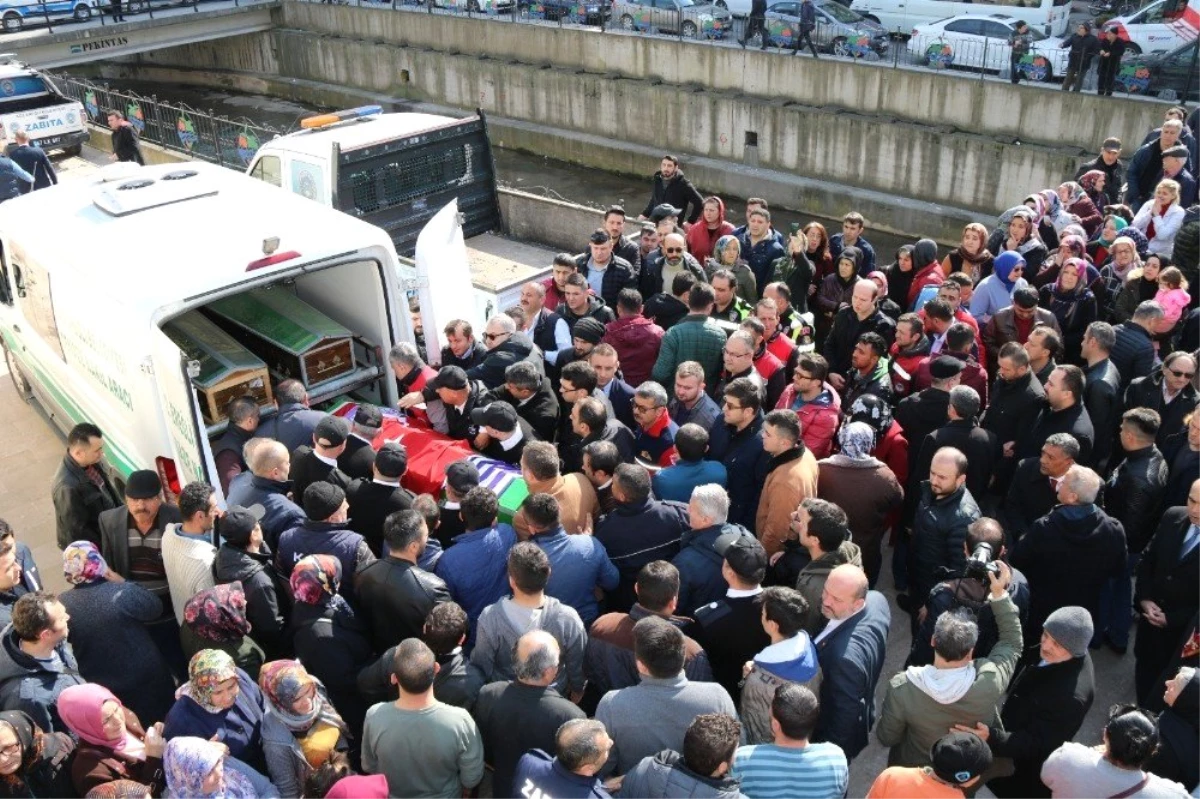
<point>907,351</point>
<point>635,338</point>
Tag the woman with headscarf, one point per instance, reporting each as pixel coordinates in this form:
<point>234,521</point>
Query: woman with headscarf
<point>108,633</point>
<point>196,769</point>
<point>32,763</point>
<point>1069,246</point>
<point>1017,233</point>
<point>1092,183</point>
<point>994,292</point>
<point>1078,204</point>
<point>1099,246</point>
<point>327,637</point>
<point>1123,261</point>
<point>928,272</point>
<point>900,274</point>
<point>121,789</point>
<point>837,289</point>
<point>113,744</point>
<point>303,729</point>
<point>1054,217</point>
<point>220,701</point>
<point>972,257</point>
<point>1161,217</point>
<point>884,303</point>
<point>865,487</point>
<point>1141,284</point>
<point>1073,305</point>
<point>215,618</point>
<point>727,254</point>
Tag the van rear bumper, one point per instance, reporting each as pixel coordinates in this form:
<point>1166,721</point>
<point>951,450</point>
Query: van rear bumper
<point>63,140</point>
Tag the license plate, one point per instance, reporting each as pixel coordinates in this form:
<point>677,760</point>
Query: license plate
<point>50,142</point>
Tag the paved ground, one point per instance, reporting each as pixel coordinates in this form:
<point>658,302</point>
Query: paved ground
<point>32,449</point>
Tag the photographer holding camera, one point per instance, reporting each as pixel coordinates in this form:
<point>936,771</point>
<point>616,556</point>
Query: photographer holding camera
<point>968,589</point>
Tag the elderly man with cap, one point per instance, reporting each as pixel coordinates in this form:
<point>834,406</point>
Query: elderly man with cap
<point>1174,167</point>
<point>957,761</point>
<point>606,274</point>
<point>325,532</point>
<point>459,394</point>
<point>921,413</point>
<point>372,500</point>
<point>1146,166</point>
<point>245,557</point>
<point>730,630</point>
<point>131,535</point>
<point>355,461</point>
<point>1046,704</point>
<point>1108,162</point>
<point>502,433</point>
<point>187,548</point>
<point>320,461</point>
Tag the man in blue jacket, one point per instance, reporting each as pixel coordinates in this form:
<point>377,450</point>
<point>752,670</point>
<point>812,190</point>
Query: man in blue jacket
<point>583,746</point>
<point>579,564</point>
<point>268,486</point>
<point>701,580</point>
<point>36,662</point>
<point>32,159</point>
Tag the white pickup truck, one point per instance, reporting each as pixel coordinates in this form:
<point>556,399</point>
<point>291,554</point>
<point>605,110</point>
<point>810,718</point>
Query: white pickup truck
<point>29,101</point>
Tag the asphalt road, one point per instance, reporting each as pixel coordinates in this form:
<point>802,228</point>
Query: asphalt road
<point>32,449</point>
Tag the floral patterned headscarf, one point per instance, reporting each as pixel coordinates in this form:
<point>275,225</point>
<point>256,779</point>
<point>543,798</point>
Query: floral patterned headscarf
<point>316,579</point>
<point>282,682</point>
<point>218,614</point>
<point>83,563</point>
<point>207,669</point>
<point>187,761</point>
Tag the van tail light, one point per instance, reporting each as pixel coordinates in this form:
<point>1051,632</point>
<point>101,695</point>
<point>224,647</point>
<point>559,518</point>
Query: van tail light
<point>271,260</point>
<point>915,32</point>
<point>169,475</point>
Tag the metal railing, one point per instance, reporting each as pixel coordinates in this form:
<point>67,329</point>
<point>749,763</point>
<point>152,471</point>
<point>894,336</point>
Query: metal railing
<point>58,13</point>
<point>976,58</point>
<point>173,126</point>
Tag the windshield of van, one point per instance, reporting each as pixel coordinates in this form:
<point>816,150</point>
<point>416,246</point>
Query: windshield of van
<point>840,13</point>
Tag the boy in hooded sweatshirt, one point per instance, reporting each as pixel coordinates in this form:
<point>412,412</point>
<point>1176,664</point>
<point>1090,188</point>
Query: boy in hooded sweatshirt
<point>791,657</point>
<point>923,702</point>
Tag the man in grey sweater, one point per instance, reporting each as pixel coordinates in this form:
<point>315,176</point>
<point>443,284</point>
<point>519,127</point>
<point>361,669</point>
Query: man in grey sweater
<point>654,715</point>
<point>503,622</point>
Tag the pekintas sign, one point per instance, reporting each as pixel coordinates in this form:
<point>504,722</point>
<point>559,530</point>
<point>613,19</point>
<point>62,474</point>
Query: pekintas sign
<point>99,44</point>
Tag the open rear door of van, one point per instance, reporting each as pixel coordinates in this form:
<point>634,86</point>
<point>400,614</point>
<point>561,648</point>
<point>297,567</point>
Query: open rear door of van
<point>399,185</point>
<point>444,278</point>
<point>180,411</point>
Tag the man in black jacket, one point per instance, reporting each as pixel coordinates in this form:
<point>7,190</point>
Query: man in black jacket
<point>605,272</point>
<point>672,188</point>
<point>921,413</point>
<point>458,394</point>
<point>355,461</point>
<point>32,159</point>
<point>1016,396</point>
<point>1076,532</point>
<point>461,348</point>
<point>1102,391</point>
<point>83,487</point>
<point>505,346</point>
<point>1109,163</point>
<point>962,432</point>
<point>863,316</point>
<point>623,246</point>
<point>547,330</point>
<point>1169,392</point>
<point>1112,48</point>
<point>1168,584</point>
<point>502,433</point>
<point>640,529</point>
<point>1034,489</point>
<point>756,22</point>
<point>1133,497</point>
<point>1063,412</point>
<point>1083,46</point>
<point>1133,350</point>
<point>319,462</point>
<point>532,395</point>
<point>1046,704</point>
<point>395,594</point>
<point>244,556</point>
<point>373,500</point>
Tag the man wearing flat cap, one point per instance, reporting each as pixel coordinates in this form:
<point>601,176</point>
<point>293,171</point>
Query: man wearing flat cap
<point>355,461</point>
<point>244,556</point>
<point>502,433</point>
<point>459,394</point>
<point>921,413</point>
<point>320,461</point>
<point>1174,163</point>
<point>375,498</point>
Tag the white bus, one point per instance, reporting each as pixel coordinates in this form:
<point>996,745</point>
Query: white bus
<point>899,16</point>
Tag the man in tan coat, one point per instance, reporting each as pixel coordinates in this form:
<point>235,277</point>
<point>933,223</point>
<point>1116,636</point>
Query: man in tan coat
<point>791,478</point>
<point>577,500</point>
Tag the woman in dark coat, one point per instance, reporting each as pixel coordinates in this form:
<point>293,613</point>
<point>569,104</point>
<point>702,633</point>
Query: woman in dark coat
<point>1073,305</point>
<point>108,633</point>
<point>837,289</point>
<point>113,744</point>
<point>1140,285</point>
<point>1016,232</point>
<point>1179,731</point>
<point>32,763</point>
<point>817,250</point>
<point>327,637</point>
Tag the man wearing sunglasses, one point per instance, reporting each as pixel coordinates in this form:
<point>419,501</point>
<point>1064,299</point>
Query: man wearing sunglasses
<point>505,346</point>
<point>660,268</point>
<point>1170,392</point>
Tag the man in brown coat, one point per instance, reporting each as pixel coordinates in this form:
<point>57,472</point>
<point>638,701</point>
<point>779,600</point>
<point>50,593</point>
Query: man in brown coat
<point>791,478</point>
<point>576,497</point>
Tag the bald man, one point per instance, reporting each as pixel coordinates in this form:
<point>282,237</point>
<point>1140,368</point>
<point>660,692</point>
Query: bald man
<point>851,650</point>
<point>524,713</point>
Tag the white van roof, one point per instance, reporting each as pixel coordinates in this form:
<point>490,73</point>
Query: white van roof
<point>173,240</point>
<point>356,133</point>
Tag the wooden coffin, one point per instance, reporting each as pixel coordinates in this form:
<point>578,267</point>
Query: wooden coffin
<point>227,369</point>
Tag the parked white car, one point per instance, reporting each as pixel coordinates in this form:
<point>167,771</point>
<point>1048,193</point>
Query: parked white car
<point>981,42</point>
<point>1160,26</point>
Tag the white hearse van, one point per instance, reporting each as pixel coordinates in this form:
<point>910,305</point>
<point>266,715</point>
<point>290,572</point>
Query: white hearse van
<point>84,299</point>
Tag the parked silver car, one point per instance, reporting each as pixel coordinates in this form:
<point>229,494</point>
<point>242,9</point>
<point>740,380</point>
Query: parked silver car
<point>693,20</point>
<point>839,30</point>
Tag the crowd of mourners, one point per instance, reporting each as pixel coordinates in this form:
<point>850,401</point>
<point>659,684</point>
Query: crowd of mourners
<point>722,432</point>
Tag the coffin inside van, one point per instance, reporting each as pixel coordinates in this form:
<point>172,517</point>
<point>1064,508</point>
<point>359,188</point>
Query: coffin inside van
<point>224,368</point>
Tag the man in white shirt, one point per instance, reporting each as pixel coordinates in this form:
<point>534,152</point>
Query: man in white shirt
<point>187,548</point>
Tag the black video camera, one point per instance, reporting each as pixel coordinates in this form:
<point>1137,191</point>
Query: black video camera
<point>981,563</point>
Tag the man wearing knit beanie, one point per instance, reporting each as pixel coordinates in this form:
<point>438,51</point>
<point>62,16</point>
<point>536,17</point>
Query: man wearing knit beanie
<point>1046,704</point>
<point>326,531</point>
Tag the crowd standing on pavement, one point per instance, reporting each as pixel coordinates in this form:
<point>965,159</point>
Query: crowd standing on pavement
<point>723,430</point>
